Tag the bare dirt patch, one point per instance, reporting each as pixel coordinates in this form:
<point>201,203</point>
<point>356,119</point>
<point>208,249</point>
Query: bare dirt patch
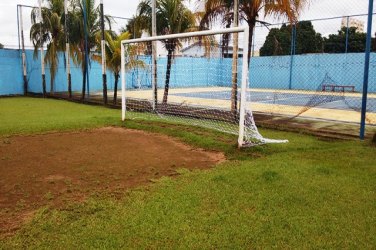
<point>53,169</point>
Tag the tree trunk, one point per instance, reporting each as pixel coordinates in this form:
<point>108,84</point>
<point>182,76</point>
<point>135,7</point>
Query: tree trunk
<point>251,28</point>
<point>116,87</point>
<point>83,78</point>
<point>168,73</point>
<point>51,86</point>
<point>234,90</point>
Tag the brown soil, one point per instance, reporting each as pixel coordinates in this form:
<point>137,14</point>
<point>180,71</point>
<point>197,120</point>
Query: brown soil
<point>54,169</point>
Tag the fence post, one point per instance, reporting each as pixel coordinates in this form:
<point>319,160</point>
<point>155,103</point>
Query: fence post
<point>366,71</point>
<point>253,42</point>
<point>293,44</point>
<point>347,35</point>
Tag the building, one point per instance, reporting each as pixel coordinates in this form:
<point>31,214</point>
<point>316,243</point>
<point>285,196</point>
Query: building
<point>353,22</point>
<point>198,50</point>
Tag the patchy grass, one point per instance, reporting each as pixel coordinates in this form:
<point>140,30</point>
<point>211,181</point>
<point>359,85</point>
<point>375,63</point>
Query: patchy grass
<point>308,193</point>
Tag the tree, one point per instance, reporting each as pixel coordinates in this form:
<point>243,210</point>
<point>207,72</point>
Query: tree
<point>336,43</point>
<point>1,46</point>
<point>52,31</point>
<point>278,41</point>
<point>172,17</point>
<point>77,34</point>
<point>135,26</point>
<point>249,11</point>
<point>113,56</point>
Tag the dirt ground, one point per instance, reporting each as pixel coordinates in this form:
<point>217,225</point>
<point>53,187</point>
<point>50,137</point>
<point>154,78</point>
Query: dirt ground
<point>53,169</point>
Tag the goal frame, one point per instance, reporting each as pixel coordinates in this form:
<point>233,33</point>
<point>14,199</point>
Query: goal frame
<point>245,68</point>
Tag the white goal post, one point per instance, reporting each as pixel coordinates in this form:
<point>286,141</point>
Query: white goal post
<point>196,103</point>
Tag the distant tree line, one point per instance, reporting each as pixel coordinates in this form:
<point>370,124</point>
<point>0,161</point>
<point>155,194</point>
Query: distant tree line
<point>307,40</point>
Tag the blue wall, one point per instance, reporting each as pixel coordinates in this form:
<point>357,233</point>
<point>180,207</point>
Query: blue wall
<point>308,72</point>
<point>11,80</point>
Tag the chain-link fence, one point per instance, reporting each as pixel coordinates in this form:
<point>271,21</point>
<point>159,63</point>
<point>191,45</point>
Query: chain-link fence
<point>311,70</point>
<point>314,69</point>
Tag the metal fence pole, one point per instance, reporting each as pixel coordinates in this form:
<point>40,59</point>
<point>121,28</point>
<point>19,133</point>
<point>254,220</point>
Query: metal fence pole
<point>42,51</point>
<point>103,50</point>
<point>24,65</point>
<point>86,51</point>
<point>347,35</point>
<point>366,71</point>
<point>293,44</point>
<point>253,42</point>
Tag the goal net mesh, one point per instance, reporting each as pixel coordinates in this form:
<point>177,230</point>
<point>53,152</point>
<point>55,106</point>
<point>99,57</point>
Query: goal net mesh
<point>198,82</point>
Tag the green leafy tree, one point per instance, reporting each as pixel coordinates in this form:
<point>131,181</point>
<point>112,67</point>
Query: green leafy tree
<point>49,32</point>
<point>249,11</point>
<point>172,17</point>
<point>113,56</point>
<point>77,34</point>
<point>278,41</point>
<point>336,43</point>
<point>136,25</point>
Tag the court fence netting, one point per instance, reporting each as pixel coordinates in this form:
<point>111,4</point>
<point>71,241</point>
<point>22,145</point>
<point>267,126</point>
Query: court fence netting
<point>309,74</point>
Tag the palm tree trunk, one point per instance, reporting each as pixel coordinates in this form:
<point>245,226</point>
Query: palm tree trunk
<point>168,74</point>
<point>116,87</point>
<point>234,89</point>
<point>83,78</point>
<point>251,28</point>
<point>235,56</point>
<point>51,87</point>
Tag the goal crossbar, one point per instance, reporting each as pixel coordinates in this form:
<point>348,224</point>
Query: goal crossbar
<point>186,35</point>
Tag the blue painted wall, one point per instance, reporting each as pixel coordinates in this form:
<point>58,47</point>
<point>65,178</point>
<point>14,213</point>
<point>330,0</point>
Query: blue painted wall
<point>308,72</point>
<point>11,80</point>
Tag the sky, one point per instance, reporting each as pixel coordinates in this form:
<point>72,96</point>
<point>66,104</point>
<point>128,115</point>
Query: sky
<point>127,8</point>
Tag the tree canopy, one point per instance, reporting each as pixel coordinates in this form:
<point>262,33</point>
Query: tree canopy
<point>336,43</point>
<point>278,41</point>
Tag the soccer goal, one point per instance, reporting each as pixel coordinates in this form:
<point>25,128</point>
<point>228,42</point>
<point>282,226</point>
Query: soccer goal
<point>197,78</point>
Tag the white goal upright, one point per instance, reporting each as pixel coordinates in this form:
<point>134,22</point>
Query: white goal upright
<point>198,78</point>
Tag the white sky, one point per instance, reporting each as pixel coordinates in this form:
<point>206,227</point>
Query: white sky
<point>127,8</point>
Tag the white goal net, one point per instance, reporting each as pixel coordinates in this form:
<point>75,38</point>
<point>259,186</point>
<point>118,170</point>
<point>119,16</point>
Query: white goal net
<point>197,78</point>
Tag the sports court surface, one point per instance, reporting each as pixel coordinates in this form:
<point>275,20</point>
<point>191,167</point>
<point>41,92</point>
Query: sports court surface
<point>338,106</point>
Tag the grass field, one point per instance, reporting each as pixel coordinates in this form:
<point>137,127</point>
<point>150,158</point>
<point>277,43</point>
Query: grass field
<point>309,193</point>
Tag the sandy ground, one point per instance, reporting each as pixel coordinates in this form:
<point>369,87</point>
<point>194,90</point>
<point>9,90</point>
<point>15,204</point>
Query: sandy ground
<point>57,168</point>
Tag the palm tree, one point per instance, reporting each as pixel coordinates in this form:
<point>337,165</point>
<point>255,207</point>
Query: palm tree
<point>249,11</point>
<point>113,56</point>
<point>172,17</point>
<point>52,34</point>
<point>81,8</point>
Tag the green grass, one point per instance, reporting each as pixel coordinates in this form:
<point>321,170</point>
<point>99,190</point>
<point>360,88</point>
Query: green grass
<point>34,115</point>
<point>308,193</point>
